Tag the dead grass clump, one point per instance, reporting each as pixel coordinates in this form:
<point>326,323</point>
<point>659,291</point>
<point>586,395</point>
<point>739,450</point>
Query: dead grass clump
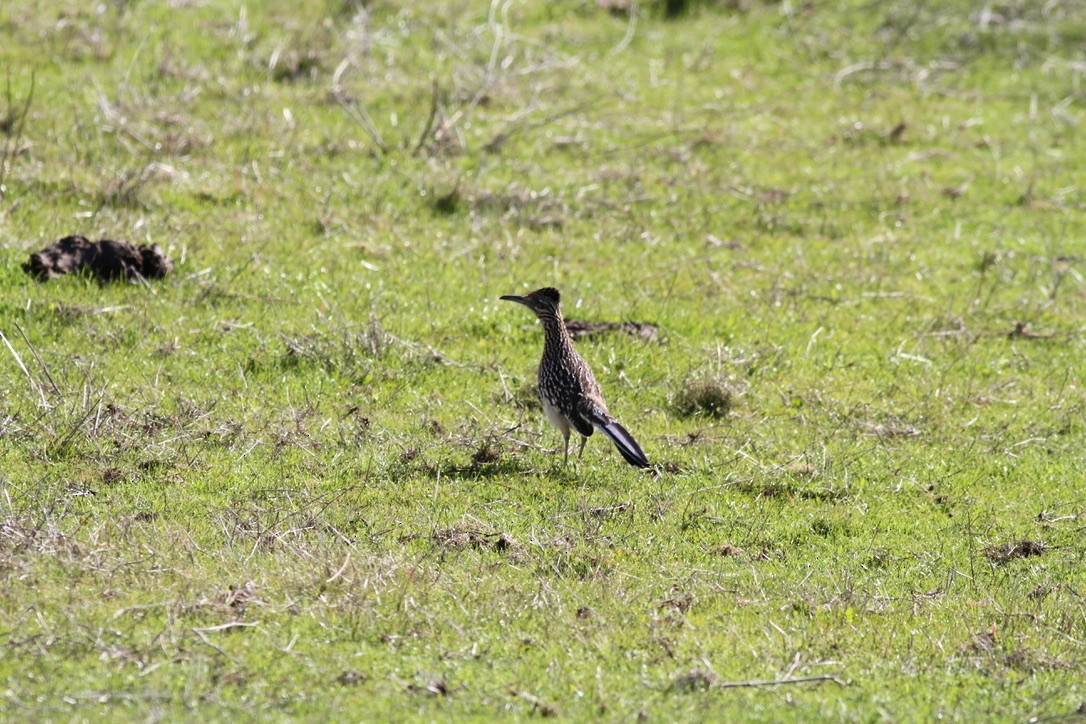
<point>1030,661</point>
<point>21,534</point>
<point>705,396</point>
<point>891,427</point>
<point>487,454</point>
<point>761,554</point>
<point>457,540</point>
<point>24,541</point>
<point>791,488</point>
<point>696,680</point>
<point>770,552</point>
<point>680,602</point>
<point>431,685</point>
<point>349,352</point>
<point>292,66</point>
<point>351,677</point>
<point>728,550</point>
<point>1007,552</point>
<point>126,424</point>
<point>801,469</point>
<point>540,707</point>
<point>603,512</point>
<point>236,598</point>
<point>988,648</point>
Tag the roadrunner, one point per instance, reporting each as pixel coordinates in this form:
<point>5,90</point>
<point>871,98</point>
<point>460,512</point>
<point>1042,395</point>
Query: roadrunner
<point>567,388</point>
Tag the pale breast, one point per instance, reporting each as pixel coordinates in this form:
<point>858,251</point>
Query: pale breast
<point>554,416</point>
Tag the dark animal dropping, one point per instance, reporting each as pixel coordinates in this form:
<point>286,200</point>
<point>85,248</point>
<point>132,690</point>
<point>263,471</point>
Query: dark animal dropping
<point>108,260</point>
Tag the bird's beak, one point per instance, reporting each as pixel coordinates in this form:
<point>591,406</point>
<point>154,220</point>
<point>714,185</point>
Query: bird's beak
<point>514,298</point>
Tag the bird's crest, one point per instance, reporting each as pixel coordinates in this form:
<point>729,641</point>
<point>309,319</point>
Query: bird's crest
<point>548,295</point>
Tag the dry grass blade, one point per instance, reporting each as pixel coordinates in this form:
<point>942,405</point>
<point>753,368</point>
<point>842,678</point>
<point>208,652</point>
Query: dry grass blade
<point>355,110</point>
<point>41,363</point>
<point>30,378</point>
<point>12,125</point>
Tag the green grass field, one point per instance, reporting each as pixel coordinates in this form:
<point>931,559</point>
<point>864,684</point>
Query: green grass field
<point>306,476</point>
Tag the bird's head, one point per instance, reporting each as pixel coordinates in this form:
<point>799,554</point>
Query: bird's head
<point>542,301</point>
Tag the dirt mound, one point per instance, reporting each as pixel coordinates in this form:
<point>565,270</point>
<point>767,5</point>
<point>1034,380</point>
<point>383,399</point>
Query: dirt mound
<point>107,259</point>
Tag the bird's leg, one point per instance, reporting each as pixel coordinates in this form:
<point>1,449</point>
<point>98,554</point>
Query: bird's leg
<point>565,460</point>
<point>580,452</point>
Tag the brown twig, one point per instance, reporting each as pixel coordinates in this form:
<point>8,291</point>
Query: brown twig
<point>435,101</point>
<point>779,682</point>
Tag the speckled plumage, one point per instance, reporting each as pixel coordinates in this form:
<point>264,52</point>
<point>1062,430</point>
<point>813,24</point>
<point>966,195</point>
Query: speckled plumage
<point>569,392</point>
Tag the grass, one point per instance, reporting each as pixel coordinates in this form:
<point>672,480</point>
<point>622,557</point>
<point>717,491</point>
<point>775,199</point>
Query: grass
<point>304,477</point>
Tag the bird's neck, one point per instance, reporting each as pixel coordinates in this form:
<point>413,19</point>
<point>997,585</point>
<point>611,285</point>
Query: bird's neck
<point>555,336</point>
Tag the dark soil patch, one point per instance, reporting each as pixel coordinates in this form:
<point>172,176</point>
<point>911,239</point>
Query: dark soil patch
<point>107,259</point>
<point>643,330</point>
<point>1008,552</point>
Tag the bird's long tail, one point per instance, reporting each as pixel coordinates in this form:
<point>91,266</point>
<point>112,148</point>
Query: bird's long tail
<point>623,440</point>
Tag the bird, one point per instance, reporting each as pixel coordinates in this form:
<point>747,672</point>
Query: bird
<point>569,392</point>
